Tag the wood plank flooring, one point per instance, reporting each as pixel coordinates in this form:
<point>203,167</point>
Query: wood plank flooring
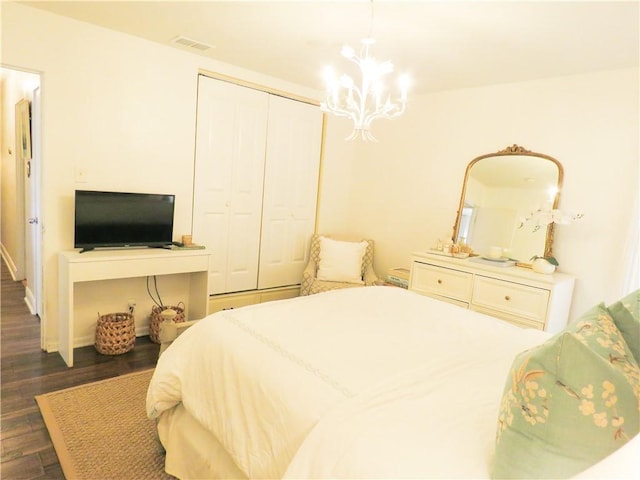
<point>26,371</point>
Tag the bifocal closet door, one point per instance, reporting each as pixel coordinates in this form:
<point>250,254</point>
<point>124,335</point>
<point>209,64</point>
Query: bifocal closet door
<point>290,190</point>
<point>229,167</point>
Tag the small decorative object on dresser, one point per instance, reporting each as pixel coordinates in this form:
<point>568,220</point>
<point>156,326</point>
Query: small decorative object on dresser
<point>516,295</point>
<point>544,264</point>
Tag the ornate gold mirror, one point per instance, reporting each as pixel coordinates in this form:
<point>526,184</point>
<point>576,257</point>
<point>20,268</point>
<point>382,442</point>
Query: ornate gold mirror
<point>499,191</point>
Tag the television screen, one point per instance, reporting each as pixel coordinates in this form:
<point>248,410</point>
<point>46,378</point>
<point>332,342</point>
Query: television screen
<point>120,219</point>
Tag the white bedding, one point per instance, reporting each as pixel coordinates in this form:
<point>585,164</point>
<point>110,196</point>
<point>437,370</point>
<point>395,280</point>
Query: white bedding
<point>360,382</point>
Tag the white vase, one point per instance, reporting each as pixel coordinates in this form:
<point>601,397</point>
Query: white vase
<point>540,265</point>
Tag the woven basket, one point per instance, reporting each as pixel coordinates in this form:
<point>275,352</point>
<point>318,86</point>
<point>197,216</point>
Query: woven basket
<point>156,319</point>
<point>115,333</point>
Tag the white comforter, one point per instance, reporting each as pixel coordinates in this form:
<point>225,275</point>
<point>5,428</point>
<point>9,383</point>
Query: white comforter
<point>361,382</point>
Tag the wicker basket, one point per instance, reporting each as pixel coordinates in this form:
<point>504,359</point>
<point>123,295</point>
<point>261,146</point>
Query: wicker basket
<point>115,333</point>
<point>156,319</point>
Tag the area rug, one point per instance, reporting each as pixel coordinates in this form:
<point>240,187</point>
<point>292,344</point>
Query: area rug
<point>100,430</point>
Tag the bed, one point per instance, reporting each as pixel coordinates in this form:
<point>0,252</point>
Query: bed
<point>368,382</point>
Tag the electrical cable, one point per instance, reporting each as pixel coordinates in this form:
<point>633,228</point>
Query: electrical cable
<point>159,301</point>
<point>155,285</point>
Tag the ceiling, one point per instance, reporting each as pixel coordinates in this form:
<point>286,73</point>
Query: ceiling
<point>441,44</point>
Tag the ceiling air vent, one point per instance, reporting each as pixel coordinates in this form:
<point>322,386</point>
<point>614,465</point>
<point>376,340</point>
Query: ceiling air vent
<point>187,42</point>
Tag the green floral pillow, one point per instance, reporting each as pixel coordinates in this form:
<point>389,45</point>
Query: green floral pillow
<point>626,315</point>
<point>569,402</point>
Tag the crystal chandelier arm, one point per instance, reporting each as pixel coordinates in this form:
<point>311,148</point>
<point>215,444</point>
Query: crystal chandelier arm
<point>333,99</point>
<point>390,110</point>
<point>338,111</point>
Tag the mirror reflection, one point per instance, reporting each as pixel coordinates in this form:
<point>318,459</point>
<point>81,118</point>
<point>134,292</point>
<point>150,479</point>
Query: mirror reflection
<point>499,191</point>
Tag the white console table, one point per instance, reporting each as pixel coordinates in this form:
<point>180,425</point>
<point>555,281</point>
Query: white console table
<point>75,267</point>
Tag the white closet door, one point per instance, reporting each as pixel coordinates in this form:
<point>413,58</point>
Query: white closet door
<point>229,168</point>
<point>290,190</point>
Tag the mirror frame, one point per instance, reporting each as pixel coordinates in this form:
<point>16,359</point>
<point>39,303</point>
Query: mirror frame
<point>513,150</point>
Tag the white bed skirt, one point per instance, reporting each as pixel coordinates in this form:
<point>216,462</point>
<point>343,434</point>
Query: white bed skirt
<point>193,451</point>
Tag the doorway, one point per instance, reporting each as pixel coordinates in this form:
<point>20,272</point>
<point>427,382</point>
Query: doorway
<point>22,226</point>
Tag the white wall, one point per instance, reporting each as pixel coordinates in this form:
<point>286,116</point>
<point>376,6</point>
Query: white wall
<point>408,186</point>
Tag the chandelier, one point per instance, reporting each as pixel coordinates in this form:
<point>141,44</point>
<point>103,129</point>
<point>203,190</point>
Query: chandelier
<point>364,102</point>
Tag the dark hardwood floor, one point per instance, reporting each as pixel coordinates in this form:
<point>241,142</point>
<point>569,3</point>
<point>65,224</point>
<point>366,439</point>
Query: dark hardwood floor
<point>26,371</point>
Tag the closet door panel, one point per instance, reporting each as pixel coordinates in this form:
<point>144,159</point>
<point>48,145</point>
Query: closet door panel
<point>290,190</point>
<point>229,166</point>
<point>242,254</point>
<point>212,226</point>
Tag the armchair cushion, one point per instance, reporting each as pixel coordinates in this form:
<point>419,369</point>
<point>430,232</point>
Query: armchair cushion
<point>311,284</point>
<point>341,261</point>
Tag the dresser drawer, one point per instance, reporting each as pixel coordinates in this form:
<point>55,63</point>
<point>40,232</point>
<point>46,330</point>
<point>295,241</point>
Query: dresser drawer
<point>444,282</point>
<point>513,299</point>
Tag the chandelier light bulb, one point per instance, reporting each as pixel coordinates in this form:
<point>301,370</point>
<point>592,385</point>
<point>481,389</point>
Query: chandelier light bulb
<point>346,81</point>
<point>363,103</point>
<point>348,52</point>
<point>385,67</point>
<point>403,83</point>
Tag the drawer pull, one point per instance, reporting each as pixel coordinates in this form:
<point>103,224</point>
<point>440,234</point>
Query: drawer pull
<point>507,298</point>
<point>439,282</point>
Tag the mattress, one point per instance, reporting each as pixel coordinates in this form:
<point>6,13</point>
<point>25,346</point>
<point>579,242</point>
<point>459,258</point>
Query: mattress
<point>374,382</point>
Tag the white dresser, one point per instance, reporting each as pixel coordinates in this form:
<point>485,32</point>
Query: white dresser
<point>517,295</point>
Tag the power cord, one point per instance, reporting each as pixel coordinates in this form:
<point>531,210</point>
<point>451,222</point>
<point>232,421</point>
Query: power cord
<point>158,302</point>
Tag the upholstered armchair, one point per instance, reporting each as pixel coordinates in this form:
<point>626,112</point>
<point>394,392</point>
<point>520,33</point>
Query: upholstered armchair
<point>328,259</point>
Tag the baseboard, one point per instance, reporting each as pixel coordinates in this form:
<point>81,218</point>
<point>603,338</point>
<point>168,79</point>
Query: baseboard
<point>88,341</point>
<point>30,300</point>
<point>8,260</point>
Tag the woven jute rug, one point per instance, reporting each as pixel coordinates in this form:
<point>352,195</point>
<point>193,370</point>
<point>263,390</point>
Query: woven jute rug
<point>100,430</point>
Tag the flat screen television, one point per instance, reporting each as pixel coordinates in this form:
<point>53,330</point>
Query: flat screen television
<point>122,219</point>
